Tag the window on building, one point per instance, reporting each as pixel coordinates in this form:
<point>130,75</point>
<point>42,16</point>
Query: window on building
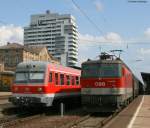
<point>17,60</point>
<point>61,79</point>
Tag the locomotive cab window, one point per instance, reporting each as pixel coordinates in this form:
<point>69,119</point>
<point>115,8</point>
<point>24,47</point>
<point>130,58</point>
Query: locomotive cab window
<point>101,70</point>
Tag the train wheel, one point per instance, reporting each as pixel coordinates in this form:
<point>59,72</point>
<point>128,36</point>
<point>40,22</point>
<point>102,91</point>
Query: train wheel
<point>118,106</point>
<point>128,101</point>
<point>125,103</point>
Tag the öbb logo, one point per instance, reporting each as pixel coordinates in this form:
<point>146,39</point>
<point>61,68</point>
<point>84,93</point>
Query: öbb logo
<point>99,84</point>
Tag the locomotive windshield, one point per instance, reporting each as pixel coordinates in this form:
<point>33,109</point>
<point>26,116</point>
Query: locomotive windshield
<point>29,77</point>
<point>101,70</point>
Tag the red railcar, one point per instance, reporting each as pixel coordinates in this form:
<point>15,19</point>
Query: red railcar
<point>107,84</point>
<point>44,84</point>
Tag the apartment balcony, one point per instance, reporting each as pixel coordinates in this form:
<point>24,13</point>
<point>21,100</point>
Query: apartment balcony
<point>72,63</point>
<point>72,49</point>
<point>73,52</point>
<point>73,46</point>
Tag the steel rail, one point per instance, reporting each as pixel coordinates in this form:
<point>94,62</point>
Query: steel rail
<point>102,121</point>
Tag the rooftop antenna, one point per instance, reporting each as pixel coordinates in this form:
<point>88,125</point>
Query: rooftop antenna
<point>117,50</point>
<point>105,56</point>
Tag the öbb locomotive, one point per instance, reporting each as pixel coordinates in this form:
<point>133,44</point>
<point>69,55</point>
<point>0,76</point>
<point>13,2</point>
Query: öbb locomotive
<point>45,84</point>
<point>107,84</point>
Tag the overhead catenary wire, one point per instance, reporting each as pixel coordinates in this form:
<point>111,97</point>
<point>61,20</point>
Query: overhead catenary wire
<point>115,42</point>
<point>101,31</point>
<point>88,18</point>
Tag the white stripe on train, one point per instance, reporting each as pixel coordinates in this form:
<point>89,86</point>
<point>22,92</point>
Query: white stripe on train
<point>105,91</point>
<point>46,95</point>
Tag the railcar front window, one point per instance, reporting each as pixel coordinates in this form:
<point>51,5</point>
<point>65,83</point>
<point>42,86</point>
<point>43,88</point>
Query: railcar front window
<point>21,77</point>
<point>101,70</point>
<point>36,77</point>
<point>29,77</point>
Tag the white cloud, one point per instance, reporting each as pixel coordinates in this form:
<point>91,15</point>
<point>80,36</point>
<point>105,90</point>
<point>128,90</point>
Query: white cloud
<point>113,37</point>
<point>89,45</point>
<point>98,5</point>
<point>147,32</point>
<point>11,33</point>
<point>144,51</point>
<point>110,37</point>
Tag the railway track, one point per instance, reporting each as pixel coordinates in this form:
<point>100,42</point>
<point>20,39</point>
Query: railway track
<point>14,120</point>
<point>94,120</point>
<point>19,120</point>
<point>9,120</point>
<point>54,120</point>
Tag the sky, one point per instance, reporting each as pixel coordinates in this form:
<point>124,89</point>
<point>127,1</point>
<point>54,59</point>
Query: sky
<point>103,25</point>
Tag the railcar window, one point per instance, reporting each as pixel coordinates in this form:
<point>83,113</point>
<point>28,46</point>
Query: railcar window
<point>101,70</point>
<point>77,80</point>
<point>72,80</point>
<point>36,77</point>
<point>50,77</point>
<point>68,80</point>
<point>61,79</point>
<point>56,78</point>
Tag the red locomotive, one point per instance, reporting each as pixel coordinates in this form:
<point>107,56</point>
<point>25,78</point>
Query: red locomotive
<point>43,83</point>
<point>107,84</point>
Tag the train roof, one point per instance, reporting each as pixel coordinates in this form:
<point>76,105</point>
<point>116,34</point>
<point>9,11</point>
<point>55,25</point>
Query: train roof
<point>138,76</point>
<point>42,65</point>
<point>116,61</point>
<point>146,77</point>
<point>31,65</point>
<point>55,67</point>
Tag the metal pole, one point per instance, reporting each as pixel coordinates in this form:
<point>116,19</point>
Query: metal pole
<point>62,109</point>
<point>0,80</point>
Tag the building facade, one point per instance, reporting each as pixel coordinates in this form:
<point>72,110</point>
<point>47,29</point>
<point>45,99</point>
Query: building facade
<point>13,53</point>
<point>1,67</point>
<point>57,32</point>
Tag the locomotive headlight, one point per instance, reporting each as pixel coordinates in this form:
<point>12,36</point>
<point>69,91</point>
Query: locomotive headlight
<point>40,89</point>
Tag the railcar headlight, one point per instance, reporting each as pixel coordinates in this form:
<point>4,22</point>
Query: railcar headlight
<point>27,89</point>
<point>40,89</point>
<point>16,89</point>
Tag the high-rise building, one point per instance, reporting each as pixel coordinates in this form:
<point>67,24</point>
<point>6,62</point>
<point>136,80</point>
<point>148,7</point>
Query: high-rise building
<point>58,32</point>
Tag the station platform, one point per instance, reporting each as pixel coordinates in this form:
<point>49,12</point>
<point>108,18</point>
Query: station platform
<point>4,97</point>
<point>136,115</point>
<point>5,94</point>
